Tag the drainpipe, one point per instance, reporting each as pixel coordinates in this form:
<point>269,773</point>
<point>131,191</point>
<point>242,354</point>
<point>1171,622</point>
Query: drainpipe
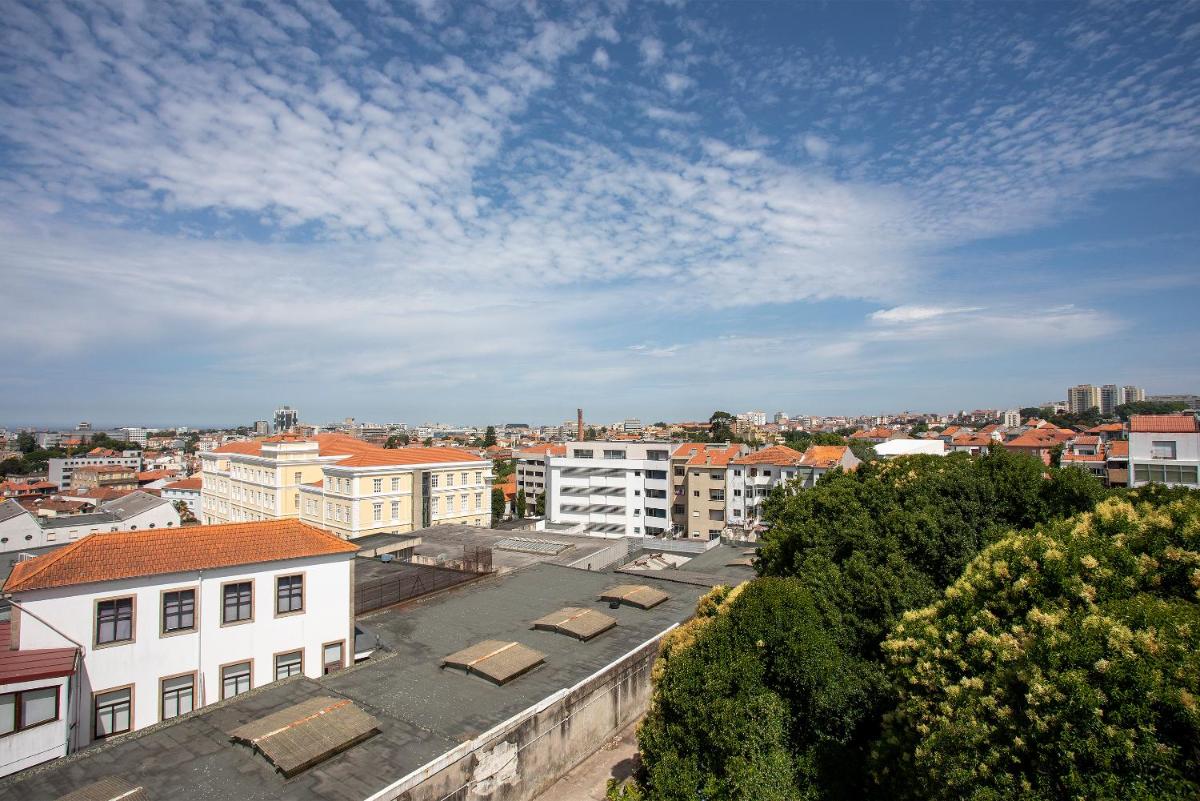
<point>199,618</point>
<point>73,727</point>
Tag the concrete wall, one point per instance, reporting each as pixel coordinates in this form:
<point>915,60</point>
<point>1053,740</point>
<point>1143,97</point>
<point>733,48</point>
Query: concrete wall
<point>523,756</point>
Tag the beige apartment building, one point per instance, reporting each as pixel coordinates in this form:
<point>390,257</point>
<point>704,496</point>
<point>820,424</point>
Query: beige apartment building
<point>698,487</point>
<point>344,485</point>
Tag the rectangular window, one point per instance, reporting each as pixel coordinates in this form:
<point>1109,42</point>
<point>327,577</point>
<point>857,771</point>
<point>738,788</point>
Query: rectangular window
<point>657,474</point>
<point>433,480</point>
<point>289,594</point>
<point>449,479</point>
<point>462,502</point>
<point>614,454</point>
<point>177,696</point>
<point>582,454</point>
<point>395,484</point>
<point>178,611</point>
<point>114,621</point>
<point>113,712</point>
<point>479,476</point>
<point>298,478</point>
<point>449,504</point>
<point>27,708</point>
<point>478,501</point>
<point>377,485</point>
<point>433,505</point>
<point>237,602</point>
<point>291,664</point>
<point>1164,449</point>
<point>235,679</point>
<point>331,657</point>
<point>377,512</point>
<point>463,479</point>
<point>395,510</point>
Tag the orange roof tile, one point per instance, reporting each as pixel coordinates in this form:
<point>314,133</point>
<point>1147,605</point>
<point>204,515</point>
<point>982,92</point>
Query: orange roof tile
<point>130,554</point>
<point>359,453</point>
<point>190,483</point>
<point>1163,424</point>
<point>972,440</point>
<point>823,455</point>
<point>775,454</point>
<point>544,450</point>
<point>704,454</point>
<point>1118,449</point>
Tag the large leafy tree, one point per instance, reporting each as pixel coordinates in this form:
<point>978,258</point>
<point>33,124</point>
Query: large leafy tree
<point>784,686</point>
<point>1063,664</point>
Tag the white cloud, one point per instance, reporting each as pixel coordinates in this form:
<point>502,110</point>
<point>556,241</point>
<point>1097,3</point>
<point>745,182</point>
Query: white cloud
<point>912,314</point>
<point>676,83</point>
<point>600,58</point>
<point>651,50</point>
<point>816,146</point>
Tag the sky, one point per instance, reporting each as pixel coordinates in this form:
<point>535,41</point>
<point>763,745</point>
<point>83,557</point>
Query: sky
<point>504,211</point>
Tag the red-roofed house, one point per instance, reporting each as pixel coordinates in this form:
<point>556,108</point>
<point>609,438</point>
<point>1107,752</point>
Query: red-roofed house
<point>699,488</point>
<point>268,600</point>
<point>1164,448</point>
<point>876,435</point>
<point>1040,442</point>
<point>753,476</point>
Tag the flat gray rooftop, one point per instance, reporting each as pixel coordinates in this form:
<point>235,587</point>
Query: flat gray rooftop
<point>448,541</point>
<point>423,710</point>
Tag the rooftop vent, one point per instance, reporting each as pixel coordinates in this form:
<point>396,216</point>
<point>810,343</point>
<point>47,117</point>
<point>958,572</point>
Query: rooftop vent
<point>638,595</point>
<point>576,621</point>
<point>306,733</point>
<point>744,561</point>
<point>496,660</point>
<point>528,545</point>
<point>110,788</point>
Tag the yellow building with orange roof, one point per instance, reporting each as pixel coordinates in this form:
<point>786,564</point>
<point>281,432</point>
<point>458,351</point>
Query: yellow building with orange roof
<point>344,485</point>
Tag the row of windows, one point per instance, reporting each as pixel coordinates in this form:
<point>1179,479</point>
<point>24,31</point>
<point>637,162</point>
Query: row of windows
<point>1166,473</point>
<point>463,478</point>
<point>112,710</point>
<point>115,616</point>
<point>435,503</point>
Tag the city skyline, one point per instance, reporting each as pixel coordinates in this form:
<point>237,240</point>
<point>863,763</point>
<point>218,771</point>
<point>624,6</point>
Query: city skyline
<point>439,212</point>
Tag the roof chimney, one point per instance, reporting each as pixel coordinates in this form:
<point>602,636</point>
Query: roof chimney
<point>579,415</point>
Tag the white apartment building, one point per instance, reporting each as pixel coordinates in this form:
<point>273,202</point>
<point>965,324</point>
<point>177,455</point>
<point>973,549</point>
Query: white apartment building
<point>60,470</point>
<point>344,485</point>
<point>168,621</point>
<point>1082,397</point>
<point>127,513</point>
<point>614,489</point>
<point>19,528</point>
<point>186,491</point>
<point>531,471</point>
<point>751,477</point>
<point>1164,448</point>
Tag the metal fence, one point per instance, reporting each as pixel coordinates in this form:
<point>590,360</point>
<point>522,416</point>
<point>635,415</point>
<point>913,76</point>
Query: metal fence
<point>414,580</point>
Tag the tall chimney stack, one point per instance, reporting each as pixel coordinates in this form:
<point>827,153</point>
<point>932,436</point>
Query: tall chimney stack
<point>579,415</point>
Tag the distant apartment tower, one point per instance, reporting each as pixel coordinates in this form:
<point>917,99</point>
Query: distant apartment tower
<point>1012,418</point>
<point>754,418</point>
<point>1082,397</point>
<point>611,489</point>
<point>781,418</point>
<point>632,425</point>
<point>1111,396</point>
<point>1133,394</point>
<point>262,427</point>
<point>136,435</point>
<point>286,419</point>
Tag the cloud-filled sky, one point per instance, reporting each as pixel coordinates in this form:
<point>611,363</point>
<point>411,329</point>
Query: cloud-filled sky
<point>502,211</point>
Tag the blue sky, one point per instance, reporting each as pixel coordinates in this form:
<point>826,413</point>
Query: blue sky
<point>434,211</point>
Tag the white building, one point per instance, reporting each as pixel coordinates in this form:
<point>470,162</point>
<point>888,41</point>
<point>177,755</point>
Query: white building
<point>614,489</point>
<point>135,434</point>
<point>909,447</point>
<point>531,470</point>
<point>753,418</point>
<point>186,490</point>
<point>1082,397</point>
<point>1164,448</point>
<point>132,512</point>
<point>1012,419</point>
<point>35,690</point>
<point>61,470</point>
<point>19,528</point>
<point>168,621</point>
<point>750,478</point>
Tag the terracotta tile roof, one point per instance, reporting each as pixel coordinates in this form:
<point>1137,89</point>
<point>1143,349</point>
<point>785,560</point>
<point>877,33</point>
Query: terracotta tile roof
<point>972,440</point>
<point>359,453</point>
<point>1086,439</point>
<point>155,475</point>
<point>100,469</point>
<point>16,486</point>
<point>544,450</point>
<point>703,454</point>
<point>823,455</point>
<point>36,664</point>
<point>1040,438</point>
<point>1083,457</point>
<point>190,483</point>
<point>1163,424</point>
<point>509,485</point>
<point>776,454</point>
<point>1107,428</point>
<point>874,433</point>
<point>129,554</point>
<point>1118,449</point>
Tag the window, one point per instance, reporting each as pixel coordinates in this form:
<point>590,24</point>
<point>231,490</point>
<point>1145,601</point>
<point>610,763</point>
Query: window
<point>695,493</point>
<point>395,483</point>
<point>177,696</point>
<point>114,621</point>
<point>27,708</point>
<point>178,611</point>
<point>657,474</point>
<point>289,594</point>
<point>377,512</point>
<point>737,472</point>
<point>449,479</point>
<point>582,454</point>
<point>463,479</point>
<point>1164,449</point>
<point>433,480</point>
<point>299,478</point>
<point>235,679</point>
<point>478,501</point>
<point>395,510</point>
<point>289,664</point>
<point>377,485</point>
<point>113,712</point>
<point>679,471</point>
<point>479,476</point>
<point>237,602</point>
<point>656,456</point>
<point>331,657</point>
<point>449,504</point>
<point>462,502</point>
<point>433,505</point>
<point>614,454</point>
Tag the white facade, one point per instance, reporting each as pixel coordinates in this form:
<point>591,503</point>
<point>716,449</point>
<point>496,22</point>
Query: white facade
<point>908,447</point>
<point>60,470</point>
<point>41,743</point>
<point>210,653</point>
<point>19,529</point>
<point>1165,458</point>
<point>189,496</point>
<point>748,485</point>
<point>614,489</point>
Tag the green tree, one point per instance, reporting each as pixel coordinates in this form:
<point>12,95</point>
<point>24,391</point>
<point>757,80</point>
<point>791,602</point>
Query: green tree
<point>1127,410</point>
<point>539,505</point>
<point>489,437</point>
<point>720,426</point>
<point>497,506</point>
<point>503,468</point>
<point>1063,664</point>
<point>26,442</point>
<point>428,443</point>
<point>920,428</point>
<point>863,450</point>
<point>521,504</point>
<point>590,433</point>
